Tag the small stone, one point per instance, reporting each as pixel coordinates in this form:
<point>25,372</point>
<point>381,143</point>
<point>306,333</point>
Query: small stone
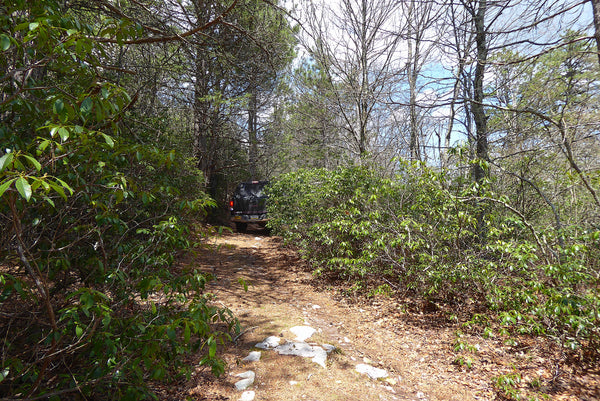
<point>293,382</point>
<point>316,307</point>
<point>247,380</point>
<point>248,396</point>
<point>372,372</point>
<point>391,381</point>
<point>346,340</point>
<point>420,395</point>
<point>269,342</point>
<point>252,357</point>
<point>328,348</point>
<point>302,332</point>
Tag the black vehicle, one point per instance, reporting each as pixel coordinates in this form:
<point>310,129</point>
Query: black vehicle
<point>248,205</point>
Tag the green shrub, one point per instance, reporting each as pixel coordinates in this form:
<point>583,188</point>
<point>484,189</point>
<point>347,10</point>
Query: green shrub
<point>91,300</point>
<point>419,234</point>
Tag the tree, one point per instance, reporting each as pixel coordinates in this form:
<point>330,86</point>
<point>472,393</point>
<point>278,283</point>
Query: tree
<point>305,126</point>
<point>554,123</point>
<point>356,48</point>
<point>237,66</point>
<point>420,17</point>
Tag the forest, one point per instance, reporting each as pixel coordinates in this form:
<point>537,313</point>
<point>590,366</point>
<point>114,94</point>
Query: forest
<point>444,150</point>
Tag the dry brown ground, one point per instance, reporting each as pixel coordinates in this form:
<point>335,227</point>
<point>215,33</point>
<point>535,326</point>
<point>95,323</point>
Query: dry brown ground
<point>417,348</point>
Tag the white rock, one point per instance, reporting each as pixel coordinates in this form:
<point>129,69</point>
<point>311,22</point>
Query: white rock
<point>248,396</point>
<point>346,340</point>
<point>247,380</point>
<point>328,348</point>
<point>303,333</point>
<point>316,307</point>
<point>293,382</point>
<point>372,372</point>
<point>269,342</point>
<point>252,357</point>
<point>295,348</point>
<point>318,354</point>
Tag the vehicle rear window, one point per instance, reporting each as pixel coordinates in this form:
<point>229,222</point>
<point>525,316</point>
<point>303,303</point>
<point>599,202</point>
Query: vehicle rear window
<point>256,190</point>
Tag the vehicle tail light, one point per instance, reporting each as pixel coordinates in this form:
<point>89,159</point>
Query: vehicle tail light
<point>231,204</point>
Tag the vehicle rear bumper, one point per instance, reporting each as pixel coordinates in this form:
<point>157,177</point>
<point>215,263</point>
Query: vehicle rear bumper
<point>249,218</point>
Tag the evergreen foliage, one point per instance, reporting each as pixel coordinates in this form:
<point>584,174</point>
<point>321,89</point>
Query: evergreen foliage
<point>417,234</point>
<point>93,217</point>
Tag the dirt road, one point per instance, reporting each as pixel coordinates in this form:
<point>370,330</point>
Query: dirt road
<point>422,353</point>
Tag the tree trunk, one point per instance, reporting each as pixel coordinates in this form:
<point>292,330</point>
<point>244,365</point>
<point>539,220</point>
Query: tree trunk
<point>477,108</point>
<point>479,172</point>
<point>413,71</point>
<point>363,100</point>
<point>596,10</point>
<point>253,134</point>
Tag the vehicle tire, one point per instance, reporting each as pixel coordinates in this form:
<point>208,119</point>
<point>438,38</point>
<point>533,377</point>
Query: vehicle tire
<point>241,227</point>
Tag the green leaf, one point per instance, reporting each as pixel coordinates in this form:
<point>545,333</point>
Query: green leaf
<point>171,334</point>
<point>63,133</point>
<point>4,42</point>
<point>24,188</point>
<point>33,162</point>
<point>65,185</point>
<point>86,106</point>
<point>43,145</point>
<point>212,347</point>
<point>243,283</point>
<point>49,201</point>
<point>58,189</point>
<point>4,374</point>
<point>21,26</point>
<point>33,26</point>
<point>59,106</point>
<point>6,160</point>
<point>186,333</point>
<point>78,331</point>
<point>108,140</point>
<point>4,186</point>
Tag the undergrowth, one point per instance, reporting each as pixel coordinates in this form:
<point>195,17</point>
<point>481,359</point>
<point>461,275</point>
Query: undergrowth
<point>417,234</point>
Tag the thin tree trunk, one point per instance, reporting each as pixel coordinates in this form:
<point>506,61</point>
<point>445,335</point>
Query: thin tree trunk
<point>253,134</point>
<point>478,110</point>
<point>596,11</point>
<point>479,117</point>
<point>413,59</point>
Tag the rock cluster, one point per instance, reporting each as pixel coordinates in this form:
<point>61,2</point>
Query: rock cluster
<point>296,347</point>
